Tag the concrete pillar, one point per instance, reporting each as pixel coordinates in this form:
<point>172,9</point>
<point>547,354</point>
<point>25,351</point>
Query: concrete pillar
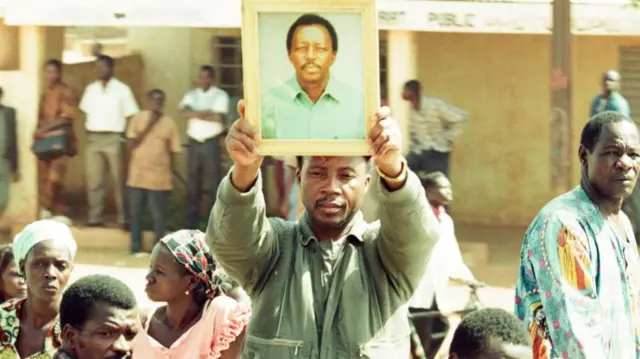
<point>22,91</point>
<point>9,47</point>
<point>401,67</point>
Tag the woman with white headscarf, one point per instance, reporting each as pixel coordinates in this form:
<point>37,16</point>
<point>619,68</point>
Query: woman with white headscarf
<point>29,327</point>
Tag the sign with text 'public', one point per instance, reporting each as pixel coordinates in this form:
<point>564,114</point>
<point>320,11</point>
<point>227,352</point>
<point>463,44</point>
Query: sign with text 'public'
<point>416,15</point>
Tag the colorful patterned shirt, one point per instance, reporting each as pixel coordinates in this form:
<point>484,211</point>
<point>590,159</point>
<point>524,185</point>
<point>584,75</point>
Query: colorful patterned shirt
<point>578,290</point>
<point>10,313</point>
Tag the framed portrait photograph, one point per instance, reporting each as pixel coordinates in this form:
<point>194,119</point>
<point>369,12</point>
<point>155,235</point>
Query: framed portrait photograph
<point>311,74</point>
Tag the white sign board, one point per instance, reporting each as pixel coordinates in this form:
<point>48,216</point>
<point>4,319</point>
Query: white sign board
<point>535,17</point>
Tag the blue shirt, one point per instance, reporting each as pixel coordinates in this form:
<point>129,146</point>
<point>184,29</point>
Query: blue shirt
<point>615,102</point>
<point>288,113</point>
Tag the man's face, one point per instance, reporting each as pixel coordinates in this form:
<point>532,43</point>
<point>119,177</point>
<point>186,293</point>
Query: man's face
<point>205,80</point>
<point>51,74</point>
<point>155,102</point>
<point>47,269</point>
<point>103,71</point>
<point>107,334</point>
<point>441,194</point>
<point>312,53</point>
<point>333,188</point>
<point>612,168</point>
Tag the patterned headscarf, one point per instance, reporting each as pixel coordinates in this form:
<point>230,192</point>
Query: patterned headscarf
<point>190,249</point>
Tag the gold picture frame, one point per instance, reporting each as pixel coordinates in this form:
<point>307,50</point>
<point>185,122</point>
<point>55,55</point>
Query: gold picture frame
<point>253,89</point>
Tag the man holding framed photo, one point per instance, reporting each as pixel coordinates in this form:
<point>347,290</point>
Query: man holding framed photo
<point>329,285</point>
<point>312,104</point>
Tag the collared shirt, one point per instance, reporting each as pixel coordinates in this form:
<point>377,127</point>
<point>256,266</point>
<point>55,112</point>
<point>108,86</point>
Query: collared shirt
<point>213,99</point>
<point>108,107</point>
<point>10,313</point>
<point>434,125</point>
<point>446,263</point>
<point>150,163</point>
<point>614,102</point>
<point>578,289</point>
<point>321,299</point>
<point>288,113</point>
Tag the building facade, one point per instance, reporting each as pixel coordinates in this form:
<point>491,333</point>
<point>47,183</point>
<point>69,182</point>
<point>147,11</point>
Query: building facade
<point>490,58</point>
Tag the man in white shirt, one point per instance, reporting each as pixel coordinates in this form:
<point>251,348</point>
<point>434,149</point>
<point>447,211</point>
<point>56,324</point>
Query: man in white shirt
<point>108,104</point>
<point>205,108</point>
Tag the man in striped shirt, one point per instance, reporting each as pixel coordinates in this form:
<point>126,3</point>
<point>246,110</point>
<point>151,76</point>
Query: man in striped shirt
<point>433,124</point>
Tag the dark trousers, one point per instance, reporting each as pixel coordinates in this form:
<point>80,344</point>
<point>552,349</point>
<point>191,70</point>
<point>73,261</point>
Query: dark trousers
<point>155,201</point>
<point>429,161</point>
<point>204,173</point>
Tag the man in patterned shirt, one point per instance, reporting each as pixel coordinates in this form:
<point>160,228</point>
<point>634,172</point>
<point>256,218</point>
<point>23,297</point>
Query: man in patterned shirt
<point>578,290</point>
<point>99,319</point>
<point>433,124</point>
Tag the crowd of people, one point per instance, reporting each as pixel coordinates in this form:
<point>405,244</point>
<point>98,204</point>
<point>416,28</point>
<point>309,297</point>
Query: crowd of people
<point>204,314</point>
<point>330,284</point>
<point>334,285</point>
<point>322,281</point>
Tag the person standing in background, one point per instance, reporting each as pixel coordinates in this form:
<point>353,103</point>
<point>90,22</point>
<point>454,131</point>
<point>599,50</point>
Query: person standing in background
<point>610,99</point>
<point>109,104</point>
<point>96,49</point>
<point>205,108</point>
<point>58,109</point>
<point>8,151</point>
<point>152,139</point>
<point>433,124</point>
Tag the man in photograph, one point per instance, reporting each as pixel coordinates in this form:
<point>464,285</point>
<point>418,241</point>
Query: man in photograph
<point>312,104</point>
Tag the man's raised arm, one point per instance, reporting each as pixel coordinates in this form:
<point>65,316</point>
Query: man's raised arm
<point>408,231</point>
<point>239,234</point>
<point>408,226</point>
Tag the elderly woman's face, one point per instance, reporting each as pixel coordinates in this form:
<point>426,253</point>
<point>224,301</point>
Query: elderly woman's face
<point>167,280</point>
<point>47,268</point>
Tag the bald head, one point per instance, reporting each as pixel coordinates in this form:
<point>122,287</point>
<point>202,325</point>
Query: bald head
<point>610,81</point>
<point>611,75</point>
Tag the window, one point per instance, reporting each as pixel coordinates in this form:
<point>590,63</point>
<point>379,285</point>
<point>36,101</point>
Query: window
<point>630,78</point>
<point>228,50</point>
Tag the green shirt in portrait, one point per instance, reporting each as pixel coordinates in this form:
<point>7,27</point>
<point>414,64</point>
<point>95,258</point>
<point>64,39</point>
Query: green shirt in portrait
<point>288,113</point>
